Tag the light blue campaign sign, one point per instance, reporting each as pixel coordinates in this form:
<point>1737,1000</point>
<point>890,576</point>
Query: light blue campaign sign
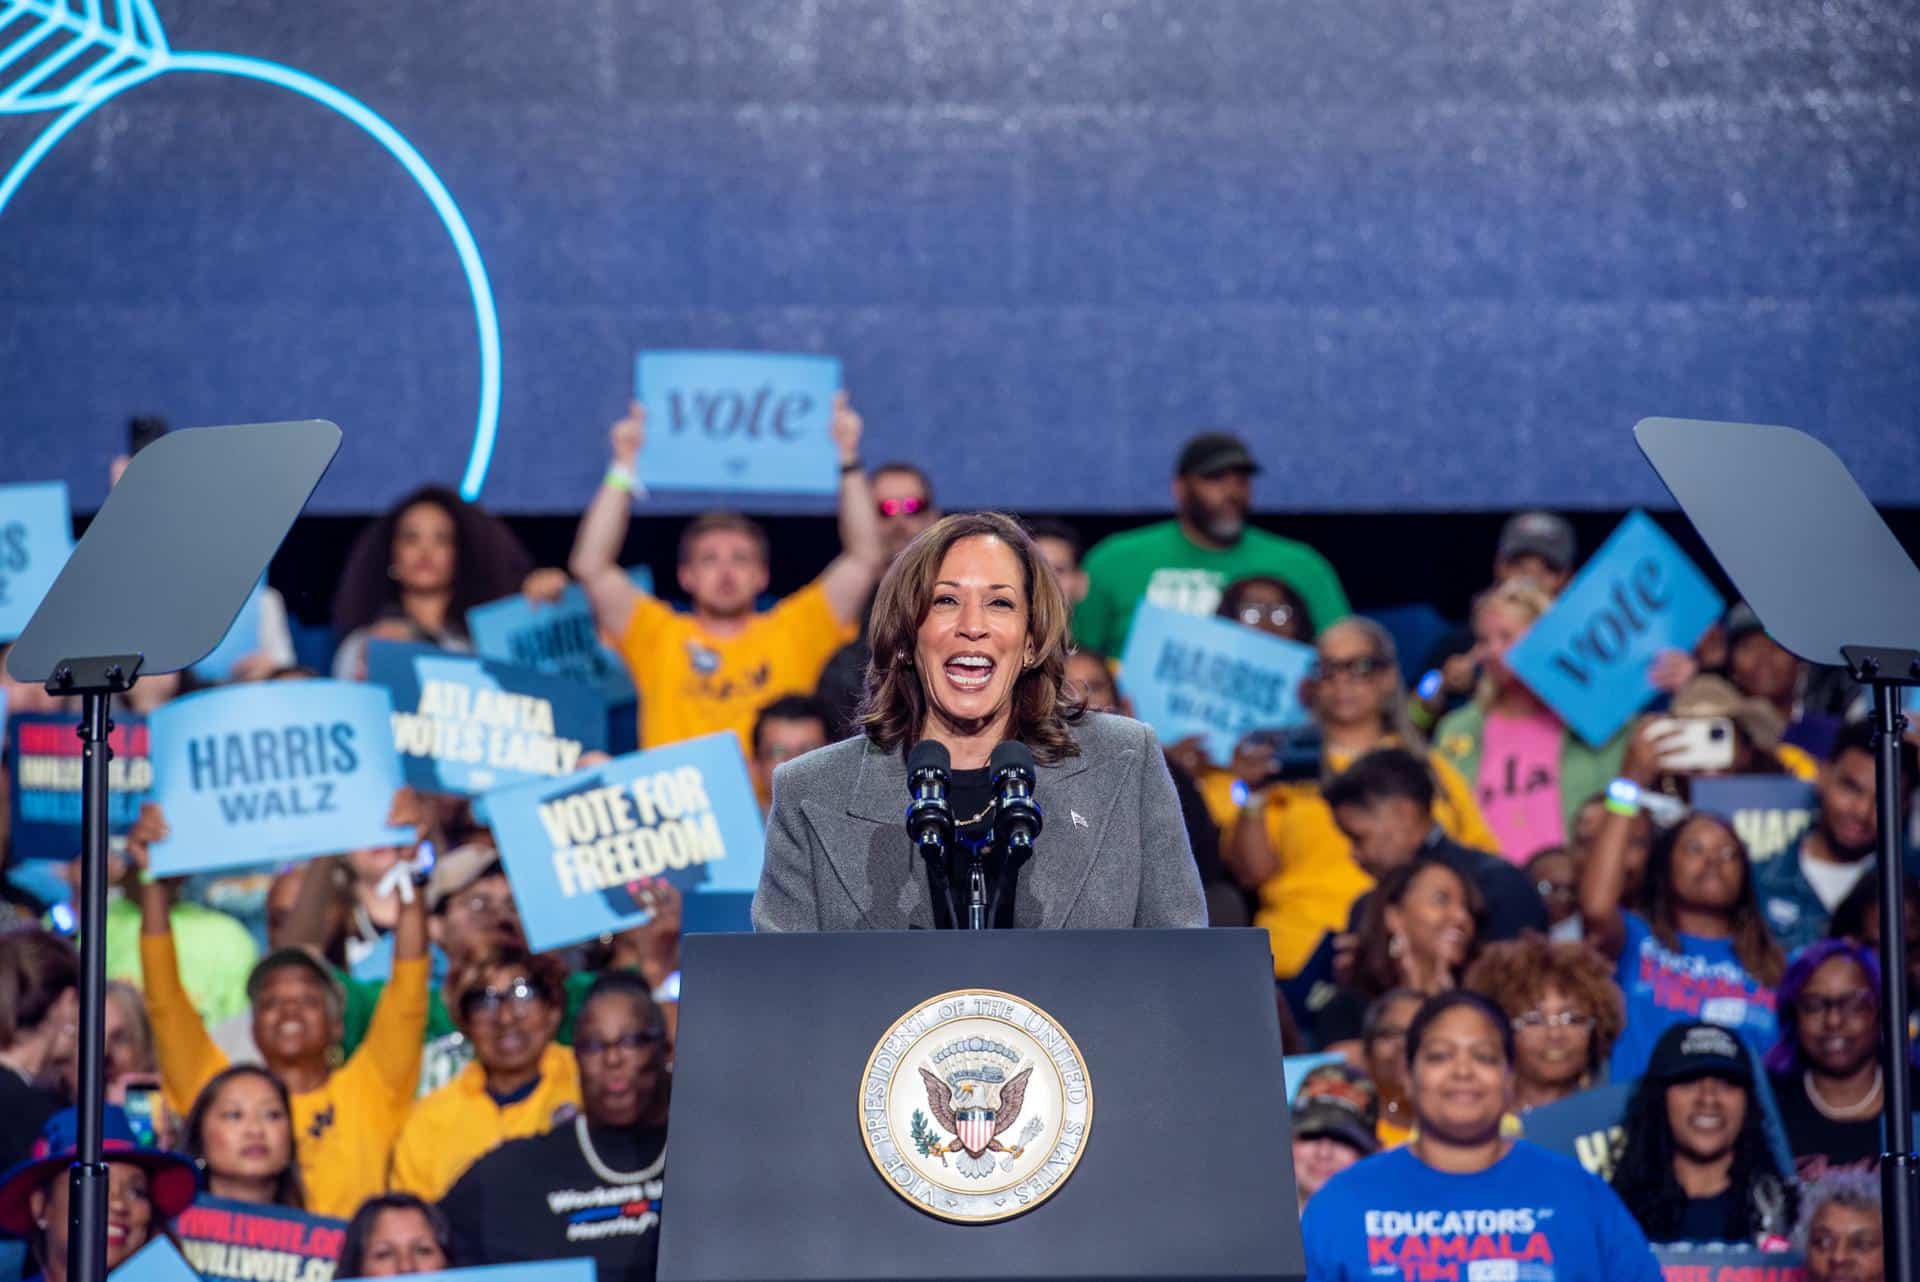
<point>739,422</point>
<point>273,770</point>
<point>36,536</point>
<point>1191,674</point>
<point>1590,656</point>
<point>577,849</point>
<point>242,639</point>
<point>157,1261</point>
<point>571,1269</point>
<point>558,638</point>
<point>1294,1069</point>
<point>467,725</point>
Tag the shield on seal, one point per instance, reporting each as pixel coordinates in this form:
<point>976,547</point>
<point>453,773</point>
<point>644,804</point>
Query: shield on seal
<point>976,1129</point>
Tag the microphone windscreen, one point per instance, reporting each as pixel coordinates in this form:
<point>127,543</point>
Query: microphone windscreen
<point>928,754</point>
<point>1011,754</point>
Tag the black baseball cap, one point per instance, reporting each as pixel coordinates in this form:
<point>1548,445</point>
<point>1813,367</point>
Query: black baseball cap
<point>1214,454</point>
<point>1547,535</point>
<point>1338,1102</point>
<point>1688,1051</point>
<point>294,958</point>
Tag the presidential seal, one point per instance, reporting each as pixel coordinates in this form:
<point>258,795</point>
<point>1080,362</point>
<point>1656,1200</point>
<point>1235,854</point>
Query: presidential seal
<point>975,1106</point>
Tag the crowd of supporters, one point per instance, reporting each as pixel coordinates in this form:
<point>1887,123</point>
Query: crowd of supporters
<point>1474,914</point>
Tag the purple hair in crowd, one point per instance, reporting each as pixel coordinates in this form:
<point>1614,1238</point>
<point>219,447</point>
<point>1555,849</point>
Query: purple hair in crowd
<point>1785,1055</point>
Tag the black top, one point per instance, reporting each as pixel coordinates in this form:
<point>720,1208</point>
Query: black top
<point>542,1199</point>
<point>24,1109</point>
<point>1708,1219</point>
<point>970,794</point>
<point>1820,1144</point>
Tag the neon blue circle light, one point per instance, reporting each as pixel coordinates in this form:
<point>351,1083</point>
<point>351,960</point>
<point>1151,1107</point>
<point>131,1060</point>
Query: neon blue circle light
<point>74,56</point>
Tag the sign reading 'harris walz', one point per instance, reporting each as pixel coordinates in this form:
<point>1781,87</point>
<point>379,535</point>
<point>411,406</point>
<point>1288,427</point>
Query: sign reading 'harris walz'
<point>1194,674</point>
<point>465,725</point>
<point>577,850</point>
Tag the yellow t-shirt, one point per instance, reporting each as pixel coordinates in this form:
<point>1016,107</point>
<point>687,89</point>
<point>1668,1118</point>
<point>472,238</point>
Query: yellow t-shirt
<point>1317,881</point>
<point>344,1129</point>
<point>692,684</point>
<point>459,1124</point>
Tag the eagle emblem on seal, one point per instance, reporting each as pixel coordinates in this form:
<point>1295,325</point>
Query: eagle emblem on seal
<point>974,1098</point>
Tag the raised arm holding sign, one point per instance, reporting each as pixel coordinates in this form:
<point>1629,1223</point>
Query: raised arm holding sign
<point>714,668</point>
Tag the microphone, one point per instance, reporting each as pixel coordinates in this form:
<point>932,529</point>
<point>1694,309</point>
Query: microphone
<point>1017,820</point>
<point>930,817</point>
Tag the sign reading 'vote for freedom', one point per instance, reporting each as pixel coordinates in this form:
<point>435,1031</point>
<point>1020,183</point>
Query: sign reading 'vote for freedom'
<point>273,770</point>
<point>1195,674</point>
<point>466,725</point>
<point>1590,656</point>
<point>745,422</point>
<point>36,536</point>
<point>577,849</point>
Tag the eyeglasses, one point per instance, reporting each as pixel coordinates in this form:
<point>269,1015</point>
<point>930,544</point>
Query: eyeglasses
<point>902,507</point>
<point>491,1001</point>
<point>1554,889</point>
<point>1255,615</point>
<point>1359,669</point>
<point>1858,1242</point>
<point>485,905</point>
<point>1813,1006</point>
<point>592,1048</point>
<point>1556,1019</point>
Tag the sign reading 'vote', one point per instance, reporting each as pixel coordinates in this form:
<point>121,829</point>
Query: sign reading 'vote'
<point>744,422</point>
<point>577,849</point>
<point>273,770</point>
<point>466,725</point>
<point>1590,656</point>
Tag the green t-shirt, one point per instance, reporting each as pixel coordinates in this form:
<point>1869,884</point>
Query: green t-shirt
<point>216,954</point>
<point>1162,565</point>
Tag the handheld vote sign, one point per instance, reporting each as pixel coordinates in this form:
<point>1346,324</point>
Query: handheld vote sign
<point>739,422</point>
<point>467,725</point>
<point>157,1261</point>
<point>1768,811</point>
<point>577,849</point>
<point>43,759</point>
<point>242,639</point>
<point>1585,1126</point>
<point>273,770</point>
<point>1195,674</point>
<point>36,537</point>
<point>228,1241</point>
<point>558,638</point>
<point>1590,656</point>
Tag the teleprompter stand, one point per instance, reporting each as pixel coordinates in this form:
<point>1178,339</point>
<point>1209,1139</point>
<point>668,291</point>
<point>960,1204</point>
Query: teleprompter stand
<point>158,579</point>
<point>1807,550</point>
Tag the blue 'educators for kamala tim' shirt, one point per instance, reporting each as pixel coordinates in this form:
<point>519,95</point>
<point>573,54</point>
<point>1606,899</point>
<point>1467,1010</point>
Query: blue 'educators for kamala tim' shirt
<point>1701,980</point>
<point>1533,1216</point>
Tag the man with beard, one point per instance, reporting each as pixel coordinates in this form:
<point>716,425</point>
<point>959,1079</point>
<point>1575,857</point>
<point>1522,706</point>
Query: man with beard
<point>1184,564</point>
<point>713,669</point>
<point>1799,888</point>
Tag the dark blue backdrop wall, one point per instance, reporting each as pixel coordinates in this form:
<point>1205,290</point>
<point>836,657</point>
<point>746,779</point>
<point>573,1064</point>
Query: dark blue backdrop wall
<point>1428,255</point>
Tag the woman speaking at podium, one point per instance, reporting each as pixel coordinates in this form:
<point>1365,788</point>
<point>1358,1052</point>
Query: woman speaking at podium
<point>969,637</point>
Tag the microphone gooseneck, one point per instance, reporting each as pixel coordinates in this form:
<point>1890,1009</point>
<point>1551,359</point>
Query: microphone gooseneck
<point>930,816</point>
<point>1016,814</point>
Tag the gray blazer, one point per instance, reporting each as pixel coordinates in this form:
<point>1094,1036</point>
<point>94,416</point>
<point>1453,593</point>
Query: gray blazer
<point>1113,850</point>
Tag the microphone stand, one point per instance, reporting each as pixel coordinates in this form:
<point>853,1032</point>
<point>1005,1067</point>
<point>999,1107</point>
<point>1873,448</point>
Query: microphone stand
<point>976,889</point>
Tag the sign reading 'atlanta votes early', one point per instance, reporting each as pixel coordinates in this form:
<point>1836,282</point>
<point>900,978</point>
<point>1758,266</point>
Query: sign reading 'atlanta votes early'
<point>273,770</point>
<point>465,725</point>
<point>578,849</point>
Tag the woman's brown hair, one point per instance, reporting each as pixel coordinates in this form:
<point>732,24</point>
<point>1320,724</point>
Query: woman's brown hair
<point>1754,946</point>
<point>895,707</point>
<point>288,1188</point>
<point>36,967</point>
<point>1516,973</point>
<point>1375,969</point>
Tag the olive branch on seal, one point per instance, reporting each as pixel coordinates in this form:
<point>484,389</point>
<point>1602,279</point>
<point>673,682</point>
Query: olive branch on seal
<point>925,1138</point>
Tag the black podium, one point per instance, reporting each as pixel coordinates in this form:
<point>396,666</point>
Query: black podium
<point>1161,1048</point>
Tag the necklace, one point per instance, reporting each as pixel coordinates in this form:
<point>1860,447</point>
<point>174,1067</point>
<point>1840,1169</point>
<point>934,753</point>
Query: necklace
<point>1867,1106</point>
<point>974,819</point>
<point>606,1172</point>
